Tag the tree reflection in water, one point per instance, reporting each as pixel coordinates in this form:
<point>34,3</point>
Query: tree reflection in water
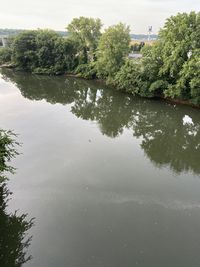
<point>14,239</point>
<point>165,138</point>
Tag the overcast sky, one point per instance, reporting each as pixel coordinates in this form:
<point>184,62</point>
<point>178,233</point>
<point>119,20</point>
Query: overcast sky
<point>56,14</point>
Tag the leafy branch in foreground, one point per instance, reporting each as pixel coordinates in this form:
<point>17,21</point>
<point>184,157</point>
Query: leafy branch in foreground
<point>7,150</point>
<point>14,241</point>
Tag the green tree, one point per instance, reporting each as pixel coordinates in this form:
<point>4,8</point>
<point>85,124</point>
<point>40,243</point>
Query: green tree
<point>7,150</point>
<point>112,50</point>
<point>46,42</point>
<point>170,67</point>
<point>128,78</point>
<point>54,53</point>
<point>44,51</point>
<point>140,77</point>
<point>190,77</point>
<point>5,55</point>
<point>178,38</point>
<point>24,50</point>
<point>153,84</point>
<point>85,32</point>
<point>178,53</point>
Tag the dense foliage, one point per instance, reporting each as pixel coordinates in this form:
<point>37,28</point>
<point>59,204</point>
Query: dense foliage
<point>181,54</point>
<point>168,68</point>
<point>171,67</point>
<point>43,51</point>
<point>112,50</point>
<point>85,33</point>
<point>14,241</point>
<point>5,55</point>
<point>7,150</point>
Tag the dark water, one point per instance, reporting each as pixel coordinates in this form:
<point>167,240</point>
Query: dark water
<point>112,180</point>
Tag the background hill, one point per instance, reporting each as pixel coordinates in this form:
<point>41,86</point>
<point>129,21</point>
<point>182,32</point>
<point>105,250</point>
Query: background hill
<point>140,37</point>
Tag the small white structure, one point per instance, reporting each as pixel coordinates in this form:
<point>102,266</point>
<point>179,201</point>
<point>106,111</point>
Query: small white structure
<point>3,40</point>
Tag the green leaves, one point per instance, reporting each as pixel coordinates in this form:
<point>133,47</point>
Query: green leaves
<point>85,33</point>
<point>180,39</point>
<point>5,55</point>
<point>171,65</point>
<point>43,51</point>
<point>190,77</point>
<point>112,50</point>
<point>128,78</point>
<point>7,150</point>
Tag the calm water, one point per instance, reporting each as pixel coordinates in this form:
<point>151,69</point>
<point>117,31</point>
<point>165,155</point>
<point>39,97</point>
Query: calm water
<point>111,180</point>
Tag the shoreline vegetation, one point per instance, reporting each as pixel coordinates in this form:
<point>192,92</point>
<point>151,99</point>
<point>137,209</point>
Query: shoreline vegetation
<point>169,68</point>
<point>14,237</point>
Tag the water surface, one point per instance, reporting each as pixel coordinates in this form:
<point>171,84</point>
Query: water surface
<point>112,180</point>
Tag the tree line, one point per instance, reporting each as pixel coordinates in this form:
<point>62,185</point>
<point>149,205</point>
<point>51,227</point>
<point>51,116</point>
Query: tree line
<point>169,68</point>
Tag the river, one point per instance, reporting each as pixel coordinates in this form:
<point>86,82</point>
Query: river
<point>111,180</point>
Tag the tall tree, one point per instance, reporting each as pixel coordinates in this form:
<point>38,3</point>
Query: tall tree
<point>24,50</point>
<point>179,43</point>
<point>112,50</point>
<point>85,32</point>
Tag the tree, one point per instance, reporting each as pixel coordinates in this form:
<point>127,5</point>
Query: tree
<point>85,32</point>
<point>190,77</point>
<point>128,78</point>
<point>112,50</point>
<point>43,51</point>
<point>178,53</point>
<point>171,67</point>
<point>178,38</point>
<point>5,55</point>
<point>46,44</point>
<point>54,53</point>
<point>24,50</point>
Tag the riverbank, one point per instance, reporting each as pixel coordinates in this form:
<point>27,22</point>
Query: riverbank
<point>181,102</point>
<point>161,98</point>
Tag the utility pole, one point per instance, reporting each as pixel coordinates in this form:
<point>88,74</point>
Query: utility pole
<point>150,30</point>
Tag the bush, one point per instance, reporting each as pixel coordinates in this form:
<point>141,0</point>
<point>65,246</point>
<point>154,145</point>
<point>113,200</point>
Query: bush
<point>87,71</point>
<point>128,78</point>
<point>5,55</point>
